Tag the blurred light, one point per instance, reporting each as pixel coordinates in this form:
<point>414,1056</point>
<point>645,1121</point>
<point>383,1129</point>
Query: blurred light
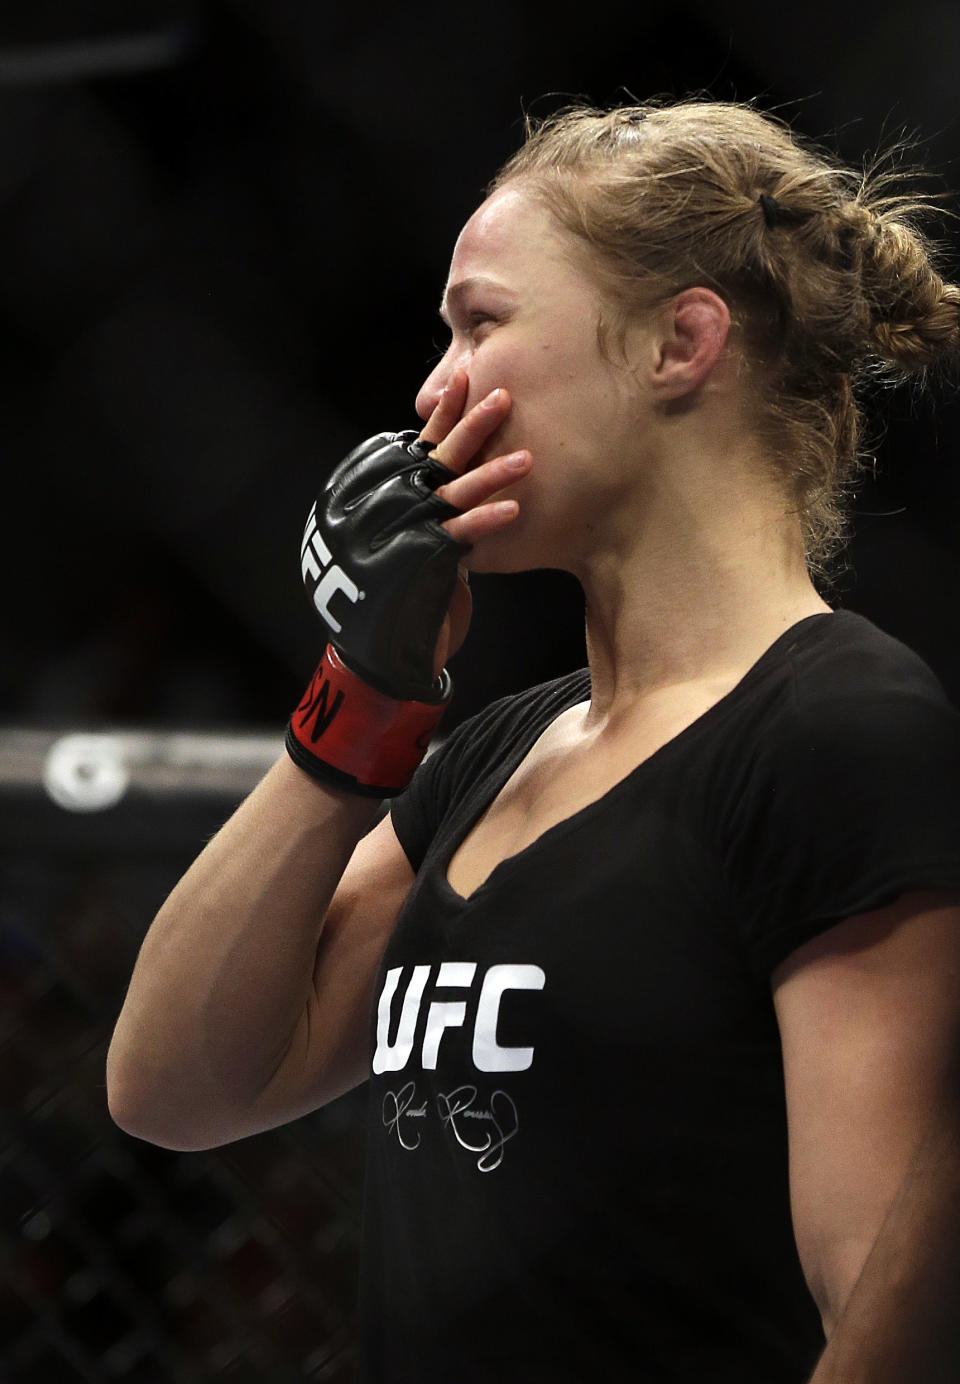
<point>92,771</point>
<point>80,60</point>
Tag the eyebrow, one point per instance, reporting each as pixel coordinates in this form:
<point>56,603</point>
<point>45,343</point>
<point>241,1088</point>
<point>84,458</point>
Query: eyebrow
<point>457,292</point>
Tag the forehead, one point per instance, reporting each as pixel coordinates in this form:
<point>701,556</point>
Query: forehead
<point>510,232</point>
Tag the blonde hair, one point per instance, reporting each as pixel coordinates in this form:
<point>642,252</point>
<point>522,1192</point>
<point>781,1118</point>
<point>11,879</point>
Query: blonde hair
<point>830,291</point>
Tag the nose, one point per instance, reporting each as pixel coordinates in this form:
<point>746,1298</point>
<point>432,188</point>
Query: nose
<point>432,387</point>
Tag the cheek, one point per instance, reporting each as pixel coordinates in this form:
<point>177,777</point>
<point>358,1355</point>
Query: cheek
<point>559,390</point>
<point>537,375</point>
<point>494,366</point>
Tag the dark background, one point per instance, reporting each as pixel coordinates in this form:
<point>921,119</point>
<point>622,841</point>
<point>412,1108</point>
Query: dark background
<point>224,230</point>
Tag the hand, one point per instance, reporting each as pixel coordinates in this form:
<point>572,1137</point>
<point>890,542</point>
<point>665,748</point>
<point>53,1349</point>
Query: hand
<point>456,441</point>
<point>379,559</point>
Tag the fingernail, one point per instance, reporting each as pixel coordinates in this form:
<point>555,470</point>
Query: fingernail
<point>493,399</point>
<point>516,461</point>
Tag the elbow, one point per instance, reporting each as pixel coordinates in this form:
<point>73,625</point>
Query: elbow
<point>142,1119</point>
<point>828,1312</point>
<point>130,1118</point>
<point>154,1127</point>
<point>828,1320</point>
<point>145,1111</point>
<point>834,1280</point>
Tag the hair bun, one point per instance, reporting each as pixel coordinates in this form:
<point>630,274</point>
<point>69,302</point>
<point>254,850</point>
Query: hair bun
<point>914,315</point>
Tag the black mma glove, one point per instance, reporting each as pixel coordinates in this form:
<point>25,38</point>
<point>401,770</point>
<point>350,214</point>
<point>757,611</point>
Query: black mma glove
<point>381,572</point>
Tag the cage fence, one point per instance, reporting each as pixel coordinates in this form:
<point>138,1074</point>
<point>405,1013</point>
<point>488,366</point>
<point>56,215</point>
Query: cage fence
<point>120,1260</point>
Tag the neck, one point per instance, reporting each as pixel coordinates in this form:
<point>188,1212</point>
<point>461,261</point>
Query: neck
<point>690,612</point>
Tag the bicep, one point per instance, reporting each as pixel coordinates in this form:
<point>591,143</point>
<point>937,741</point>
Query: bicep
<point>869,1016</point>
<point>328,1053</point>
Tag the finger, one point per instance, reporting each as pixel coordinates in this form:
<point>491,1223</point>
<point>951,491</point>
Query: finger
<point>448,410</point>
<point>465,439</point>
<point>483,521</point>
<point>476,486</point>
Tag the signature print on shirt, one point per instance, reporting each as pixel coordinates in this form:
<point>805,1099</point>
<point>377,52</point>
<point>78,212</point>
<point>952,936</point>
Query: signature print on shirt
<point>456,1112</point>
<point>489,1132</point>
<point>396,1106</point>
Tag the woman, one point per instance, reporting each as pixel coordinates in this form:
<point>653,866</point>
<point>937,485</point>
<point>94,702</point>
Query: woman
<point>639,959</point>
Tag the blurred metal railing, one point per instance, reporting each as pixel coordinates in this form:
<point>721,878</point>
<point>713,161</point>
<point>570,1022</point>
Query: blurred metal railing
<point>124,788</point>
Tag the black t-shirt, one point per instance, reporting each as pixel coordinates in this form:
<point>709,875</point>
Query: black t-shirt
<point>577,1151</point>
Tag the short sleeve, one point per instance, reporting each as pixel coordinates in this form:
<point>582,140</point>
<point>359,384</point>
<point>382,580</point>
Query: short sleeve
<point>418,811</point>
<point>456,766</point>
<point>458,774</point>
<point>850,802</point>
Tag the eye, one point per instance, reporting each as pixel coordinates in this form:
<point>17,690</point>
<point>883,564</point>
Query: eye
<point>475,320</point>
<point>469,325</point>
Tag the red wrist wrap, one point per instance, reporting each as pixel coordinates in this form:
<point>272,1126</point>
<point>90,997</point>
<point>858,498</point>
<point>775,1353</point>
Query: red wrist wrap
<point>346,732</point>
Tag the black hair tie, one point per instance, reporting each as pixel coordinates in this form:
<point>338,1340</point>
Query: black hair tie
<point>774,212</point>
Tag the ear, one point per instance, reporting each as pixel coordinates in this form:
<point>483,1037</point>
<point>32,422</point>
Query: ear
<point>690,334</point>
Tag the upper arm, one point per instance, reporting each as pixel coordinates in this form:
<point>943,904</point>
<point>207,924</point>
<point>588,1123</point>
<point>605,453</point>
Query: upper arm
<point>869,1016</point>
<point>328,1053</point>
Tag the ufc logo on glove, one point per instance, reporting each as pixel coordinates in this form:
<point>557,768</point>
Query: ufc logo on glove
<point>315,562</point>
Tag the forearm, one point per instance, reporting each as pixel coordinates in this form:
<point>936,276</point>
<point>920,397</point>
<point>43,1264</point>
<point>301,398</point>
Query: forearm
<point>901,1323</point>
<point>226,968</point>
